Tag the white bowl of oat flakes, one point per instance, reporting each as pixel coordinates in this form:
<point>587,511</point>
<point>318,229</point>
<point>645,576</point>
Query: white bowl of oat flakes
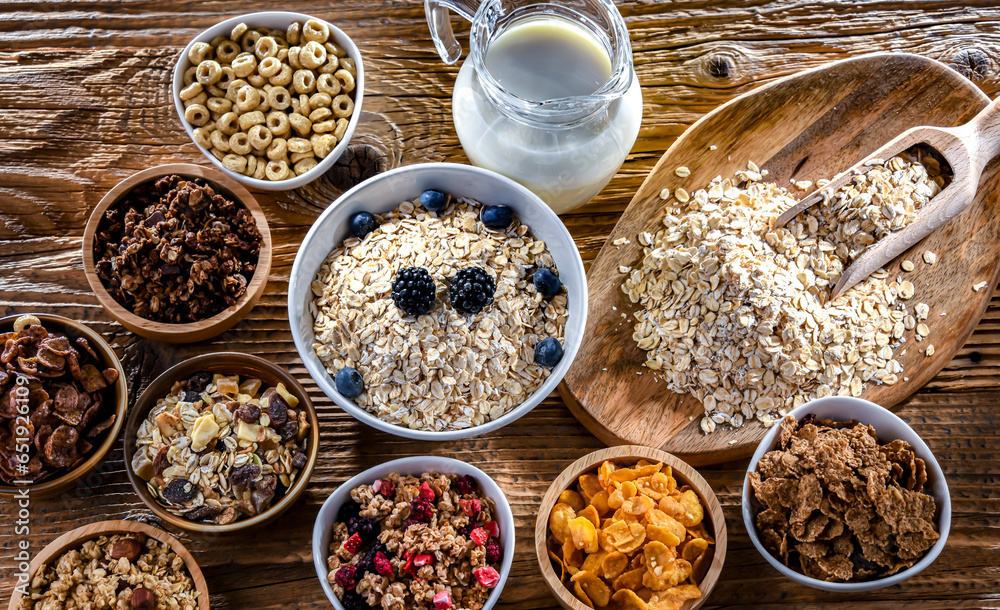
<point>474,343</point>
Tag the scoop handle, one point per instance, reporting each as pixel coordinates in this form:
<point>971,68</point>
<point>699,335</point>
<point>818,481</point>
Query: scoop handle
<point>986,127</point>
<point>439,22</point>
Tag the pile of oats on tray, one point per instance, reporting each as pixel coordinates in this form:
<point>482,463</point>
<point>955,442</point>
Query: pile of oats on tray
<point>737,314</point>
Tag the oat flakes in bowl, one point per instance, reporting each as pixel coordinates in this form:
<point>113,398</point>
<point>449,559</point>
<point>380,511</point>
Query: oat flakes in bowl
<point>431,326</point>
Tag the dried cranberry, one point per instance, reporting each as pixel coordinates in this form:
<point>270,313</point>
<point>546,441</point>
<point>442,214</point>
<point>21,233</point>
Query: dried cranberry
<point>244,475</point>
<point>470,507</point>
<point>442,600</point>
<point>426,492</point>
<point>277,410</point>
<point>421,510</point>
<point>345,577</point>
<point>248,413</point>
<point>179,491</point>
<point>352,544</point>
<point>382,565</point>
<point>487,576</point>
<point>492,551</point>
<point>423,559</point>
<point>479,536</point>
<point>465,485</point>
<point>492,528</point>
<point>385,487</point>
<point>199,381</point>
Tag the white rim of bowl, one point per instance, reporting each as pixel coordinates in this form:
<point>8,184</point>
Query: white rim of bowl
<point>324,164</point>
<point>442,465</point>
<point>922,451</point>
<point>359,413</point>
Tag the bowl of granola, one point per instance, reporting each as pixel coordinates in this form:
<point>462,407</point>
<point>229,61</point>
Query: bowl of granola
<point>437,301</point>
<point>63,389</point>
<point>416,533</point>
<point>844,496</point>
<point>112,564</point>
<point>221,442</point>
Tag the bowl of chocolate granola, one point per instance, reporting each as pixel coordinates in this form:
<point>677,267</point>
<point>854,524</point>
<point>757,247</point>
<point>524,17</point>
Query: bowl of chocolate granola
<point>221,442</point>
<point>842,495</point>
<point>177,253</point>
<point>416,533</point>
<point>62,389</point>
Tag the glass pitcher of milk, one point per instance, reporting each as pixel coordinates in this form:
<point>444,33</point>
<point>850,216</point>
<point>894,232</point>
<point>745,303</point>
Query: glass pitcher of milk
<point>549,98</point>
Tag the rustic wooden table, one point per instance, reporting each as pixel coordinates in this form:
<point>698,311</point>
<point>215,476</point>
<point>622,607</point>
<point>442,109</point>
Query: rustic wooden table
<point>85,101</point>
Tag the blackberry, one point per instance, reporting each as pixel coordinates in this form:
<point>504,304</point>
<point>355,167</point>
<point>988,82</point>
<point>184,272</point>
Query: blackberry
<point>466,529</point>
<point>492,551</point>
<point>472,290</point>
<point>421,510</point>
<point>367,562</point>
<point>352,600</point>
<point>465,484</point>
<point>413,291</point>
<point>366,527</point>
<point>348,510</point>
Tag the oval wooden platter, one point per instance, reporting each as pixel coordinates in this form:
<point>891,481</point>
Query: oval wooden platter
<point>807,126</point>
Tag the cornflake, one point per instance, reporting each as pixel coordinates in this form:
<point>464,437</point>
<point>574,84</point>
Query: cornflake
<point>737,314</point>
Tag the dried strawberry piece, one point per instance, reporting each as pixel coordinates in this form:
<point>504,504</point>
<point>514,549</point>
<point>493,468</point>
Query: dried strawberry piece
<point>408,567</point>
<point>492,528</point>
<point>442,600</point>
<point>423,559</point>
<point>346,577</point>
<point>426,492</point>
<point>382,565</point>
<point>479,536</point>
<point>385,487</point>
<point>486,576</point>
<point>353,544</point>
<point>471,507</point>
<point>465,485</point>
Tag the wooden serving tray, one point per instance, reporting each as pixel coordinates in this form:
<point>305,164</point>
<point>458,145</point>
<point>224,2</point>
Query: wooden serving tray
<point>807,126</point>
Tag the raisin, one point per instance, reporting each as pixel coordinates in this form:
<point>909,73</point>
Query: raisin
<point>288,430</point>
<point>299,460</point>
<point>160,462</point>
<point>277,410</point>
<point>248,413</point>
<point>244,474</point>
<point>203,512</point>
<point>179,491</point>
<point>199,381</point>
<point>191,396</point>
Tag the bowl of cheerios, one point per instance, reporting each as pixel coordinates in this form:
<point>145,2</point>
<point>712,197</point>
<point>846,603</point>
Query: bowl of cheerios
<point>271,98</point>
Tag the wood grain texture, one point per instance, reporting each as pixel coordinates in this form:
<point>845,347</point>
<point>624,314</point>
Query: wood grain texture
<point>802,127</point>
<point>85,102</point>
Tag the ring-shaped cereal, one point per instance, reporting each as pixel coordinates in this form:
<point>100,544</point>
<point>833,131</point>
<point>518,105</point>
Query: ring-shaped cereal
<point>277,123</point>
<point>342,106</point>
<point>315,30</point>
<point>251,164</point>
<point>296,157</point>
<point>234,88</point>
<point>298,145</point>
<point>256,80</point>
<point>234,163</point>
<point>265,47</point>
<point>215,91</point>
<point>258,173</point>
<point>341,129</point>
<point>329,67</point>
<point>196,114</point>
<point>300,123</point>
<point>200,51</point>
<point>269,66</point>
<point>332,48</point>
<point>228,123</point>
<point>226,78</point>
<point>346,80</point>
<point>249,40</point>
<point>201,98</point>
<point>305,165</point>
<point>293,57</point>
<point>219,104</point>
<point>240,143</point>
<point>348,64</point>
<point>219,141</point>
<point>190,91</point>
<point>304,81</point>
<point>320,100</point>
<point>282,78</point>
<point>292,33</point>
<point>326,83</point>
<point>277,150</point>
<point>227,51</point>
<point>203,137</point>
<point>324,127</point>
<point>276,170</point>
<point>320,114</point>
<point>244,65</point>
<point>249,119</point>
<point>312,55</point>
<point>247,98</point>
<point>208,72</point>
<point>323,144</point>
<point>238,32</point>
<point>279,98</point>
<point>189,75</point>
<point>260,137</point>
<point>264,105</point>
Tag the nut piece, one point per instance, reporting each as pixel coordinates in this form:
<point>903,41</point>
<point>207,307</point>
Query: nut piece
<point>129,548</point>
<point>142,599</point>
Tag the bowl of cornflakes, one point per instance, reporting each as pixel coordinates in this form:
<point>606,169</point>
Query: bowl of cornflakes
<point>630,527</point>
<point>844,496</point>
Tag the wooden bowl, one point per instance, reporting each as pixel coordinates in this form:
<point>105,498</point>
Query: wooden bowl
<point>624,456</point>
<point>193,331</point>
<point>73,329</point>
<point>228,363</point>
<point>75,538</point>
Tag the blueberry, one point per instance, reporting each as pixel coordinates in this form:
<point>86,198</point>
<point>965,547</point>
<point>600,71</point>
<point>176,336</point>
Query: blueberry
<point>362,224</point>
<point>546,282</point>
<point>548,352</point>
<point>497,216</point>
<point>434,201</point>
<point>350,383</point>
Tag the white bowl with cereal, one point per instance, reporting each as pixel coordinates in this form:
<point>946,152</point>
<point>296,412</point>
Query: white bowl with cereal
<point>270,98</point>
<point>863,511</point>
<point>467,526</point>
<point>493,341</point>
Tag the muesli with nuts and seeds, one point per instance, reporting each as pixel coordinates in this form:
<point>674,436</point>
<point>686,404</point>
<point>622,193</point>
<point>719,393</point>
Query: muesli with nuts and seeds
<point>415,543</point>
<point>217,448</point>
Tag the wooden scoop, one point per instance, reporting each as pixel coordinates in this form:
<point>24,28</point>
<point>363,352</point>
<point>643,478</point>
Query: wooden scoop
<point>967,148</point>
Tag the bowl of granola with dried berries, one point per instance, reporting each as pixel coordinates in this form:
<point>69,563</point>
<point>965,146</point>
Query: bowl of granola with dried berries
<point>221,442</point>
<point>415,533</point>
<point>438,301</point>
<point>844,496</point>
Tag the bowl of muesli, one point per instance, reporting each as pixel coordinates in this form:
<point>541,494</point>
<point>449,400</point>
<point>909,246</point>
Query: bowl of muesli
<point>415,533</point>
<point>112,564</point>
<point>438,301</point>
<point>221,442</point>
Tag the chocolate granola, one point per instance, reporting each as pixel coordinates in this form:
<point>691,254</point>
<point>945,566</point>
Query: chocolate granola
<point>174,250</point>
<point>837,505</point>
<point>409,542</point>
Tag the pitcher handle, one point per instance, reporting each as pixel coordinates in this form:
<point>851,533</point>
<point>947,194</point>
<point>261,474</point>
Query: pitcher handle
<point>439,22</point>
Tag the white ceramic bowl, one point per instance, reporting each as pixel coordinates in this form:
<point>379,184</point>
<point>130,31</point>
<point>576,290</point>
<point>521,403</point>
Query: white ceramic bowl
<point>888,427</point>
<point>384,193</point>
<point>416,465</point>
<point>277,20</point>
